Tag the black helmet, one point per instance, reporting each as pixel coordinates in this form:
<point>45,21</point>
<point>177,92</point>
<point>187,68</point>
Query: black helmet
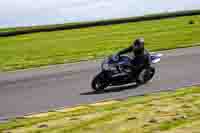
<point>138,44</point>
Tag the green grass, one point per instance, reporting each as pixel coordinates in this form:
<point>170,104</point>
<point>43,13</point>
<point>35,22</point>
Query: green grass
<point>75,25</point>
<point>45,48</point>
<point>165,112</point>
<point>42,27</point>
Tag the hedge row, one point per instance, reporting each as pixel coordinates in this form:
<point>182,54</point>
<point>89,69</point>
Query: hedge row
<point>26,30</point>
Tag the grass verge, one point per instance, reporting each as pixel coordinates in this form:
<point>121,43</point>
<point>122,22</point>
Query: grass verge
<point>57,47</point>
<point>165,112</point>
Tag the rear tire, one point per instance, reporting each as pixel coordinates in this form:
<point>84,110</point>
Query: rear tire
<point>145,75</point>
<point>99,83</point>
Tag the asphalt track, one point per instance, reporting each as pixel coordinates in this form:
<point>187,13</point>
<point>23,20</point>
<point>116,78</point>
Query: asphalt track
<point>41,89</point>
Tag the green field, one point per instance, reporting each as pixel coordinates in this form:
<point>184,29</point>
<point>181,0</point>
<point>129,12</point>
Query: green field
<point>74,25</point>
<point>39,49</point>
<point>165,112</point>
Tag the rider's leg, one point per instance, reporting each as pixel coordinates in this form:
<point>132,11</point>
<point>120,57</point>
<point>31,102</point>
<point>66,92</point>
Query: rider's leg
<point>134,67</point>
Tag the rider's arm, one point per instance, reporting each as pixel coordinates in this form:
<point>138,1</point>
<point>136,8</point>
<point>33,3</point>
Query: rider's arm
<point>126,50</point>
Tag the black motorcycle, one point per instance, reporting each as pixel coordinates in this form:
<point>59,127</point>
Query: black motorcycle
<point>118,72</point>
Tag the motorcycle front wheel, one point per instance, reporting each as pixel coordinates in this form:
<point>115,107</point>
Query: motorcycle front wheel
<point>99,82</point>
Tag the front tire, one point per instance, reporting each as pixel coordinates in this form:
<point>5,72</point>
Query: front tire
<point>99,83</point>
<point>145,75</point>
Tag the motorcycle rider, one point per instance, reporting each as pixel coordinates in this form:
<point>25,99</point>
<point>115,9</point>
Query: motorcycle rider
<point>141,57</point>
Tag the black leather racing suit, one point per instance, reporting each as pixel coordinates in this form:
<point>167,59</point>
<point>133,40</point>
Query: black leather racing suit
<point>140,60</point>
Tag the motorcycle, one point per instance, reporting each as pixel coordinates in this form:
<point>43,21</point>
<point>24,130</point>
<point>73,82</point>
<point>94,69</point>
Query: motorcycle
<point>118,72</point>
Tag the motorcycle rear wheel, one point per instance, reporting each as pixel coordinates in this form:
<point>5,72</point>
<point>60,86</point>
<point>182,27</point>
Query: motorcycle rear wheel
<point>145,75</point>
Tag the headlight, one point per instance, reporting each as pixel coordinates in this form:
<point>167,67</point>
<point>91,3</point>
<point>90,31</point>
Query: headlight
<point>105,66</point>
<point>109,67</point>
